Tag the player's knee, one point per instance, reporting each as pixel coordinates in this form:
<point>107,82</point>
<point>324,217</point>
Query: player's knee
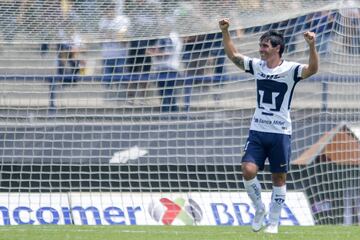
<point>249,170</point>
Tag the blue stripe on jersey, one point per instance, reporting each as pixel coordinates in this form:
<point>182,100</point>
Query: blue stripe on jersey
<point>291,95</point>
<point>251,69</point>
<point>296,72</point>
<point>296,79</point>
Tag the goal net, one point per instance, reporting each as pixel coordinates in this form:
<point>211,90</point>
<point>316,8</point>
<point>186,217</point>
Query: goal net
<point>128,112</point>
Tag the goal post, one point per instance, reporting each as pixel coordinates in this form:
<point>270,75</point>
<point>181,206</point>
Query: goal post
<point>111,110</point>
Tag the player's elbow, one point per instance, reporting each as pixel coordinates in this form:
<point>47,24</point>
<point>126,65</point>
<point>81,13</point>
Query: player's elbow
<point>230,54</point>
<point>309,71</point>
<point>313,69</point>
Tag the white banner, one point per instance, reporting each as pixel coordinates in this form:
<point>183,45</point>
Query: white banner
<point>208,208</point>
<point>34,208</point>
<point>235,209</point>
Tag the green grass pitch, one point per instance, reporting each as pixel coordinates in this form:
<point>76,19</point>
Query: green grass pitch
<point>52,232</point>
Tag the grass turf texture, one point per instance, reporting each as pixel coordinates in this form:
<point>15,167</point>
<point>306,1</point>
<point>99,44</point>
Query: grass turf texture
<point>329,232</point>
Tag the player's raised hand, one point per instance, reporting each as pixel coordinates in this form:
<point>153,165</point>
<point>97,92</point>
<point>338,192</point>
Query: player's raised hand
<point>224,24</point>
<point>310,37</point>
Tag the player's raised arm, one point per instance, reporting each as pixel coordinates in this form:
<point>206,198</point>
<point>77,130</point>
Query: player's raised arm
<point>229,46</point>
<point>313,65</point>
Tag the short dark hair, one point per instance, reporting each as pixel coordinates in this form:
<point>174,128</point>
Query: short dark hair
<point>276,38</point>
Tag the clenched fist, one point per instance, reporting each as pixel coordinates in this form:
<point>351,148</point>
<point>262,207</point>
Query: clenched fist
<point>224,24</point>
<point>310,37</point>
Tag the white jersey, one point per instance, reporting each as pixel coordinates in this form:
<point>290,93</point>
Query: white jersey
<point>274,89</point>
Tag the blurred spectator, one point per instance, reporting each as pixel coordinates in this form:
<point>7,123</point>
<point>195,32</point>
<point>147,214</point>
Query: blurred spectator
<point>193,66</point>
<point>44,49</point>
<point>204,62</point>
<point>139,64</point>
<point>144,24</point>
<point>68,62</point>
<point>114,27</point>
<point>166,65</point>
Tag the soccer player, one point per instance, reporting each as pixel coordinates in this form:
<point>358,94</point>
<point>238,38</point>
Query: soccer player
<point>270,130</point>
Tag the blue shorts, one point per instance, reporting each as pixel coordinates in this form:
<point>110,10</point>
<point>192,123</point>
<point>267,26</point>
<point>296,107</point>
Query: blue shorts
<point>272,146</point>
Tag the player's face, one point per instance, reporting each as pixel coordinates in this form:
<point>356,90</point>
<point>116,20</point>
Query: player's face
<point>266,50</point>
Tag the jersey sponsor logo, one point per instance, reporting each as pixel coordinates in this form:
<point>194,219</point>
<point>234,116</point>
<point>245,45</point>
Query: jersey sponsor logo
<point>278,122</point>
<point>267,76</point>
<point>269,122</point>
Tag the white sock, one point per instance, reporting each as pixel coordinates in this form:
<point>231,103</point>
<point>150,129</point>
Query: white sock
<point>253,189</point>
<point>277,202</point>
